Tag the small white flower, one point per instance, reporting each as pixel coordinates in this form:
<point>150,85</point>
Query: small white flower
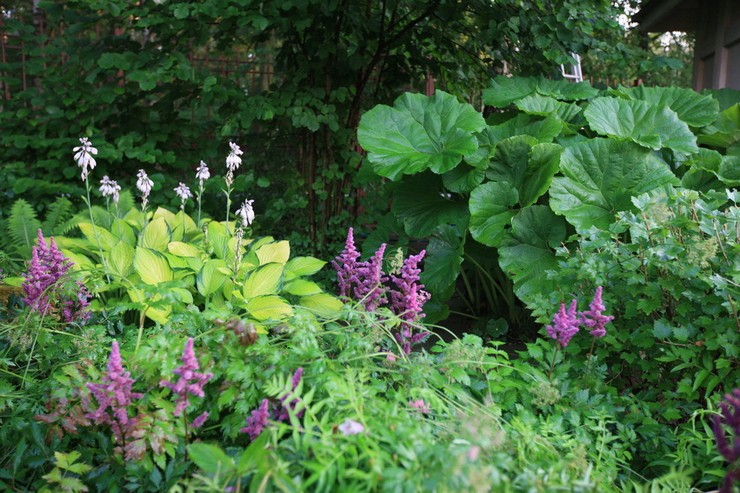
<point>351,427</point>
<point>183,192</point>
<point>84,156</point>
<point>143,183</point>
<point>202,173</point>
<point>246,212</point>
<point>233,160</point>
<point>109,188</point>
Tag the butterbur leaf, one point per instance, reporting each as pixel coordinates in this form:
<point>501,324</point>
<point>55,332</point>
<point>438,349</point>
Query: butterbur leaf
<point>421,204</point>
<point>651,126</point>
<point>695,109</point>
<point>418,133</point>
<point>463,178</point>
<point>528,252</point>
<point>506,90</point>
<point>600,178</point>
<point>442,262</point>
<point>492,205</point>
<point>545,106</point>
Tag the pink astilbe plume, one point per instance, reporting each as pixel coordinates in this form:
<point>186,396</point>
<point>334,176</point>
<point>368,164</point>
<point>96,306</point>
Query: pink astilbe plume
<point>257,421</point>
<point>191,382</point>
<point>278,409</point>
<point>114,396</point>
<point>346,265</point>
<point>370,289</point>
<point>593,318</point>
<point>407,301</point>
<point>729,410</point>
<point>565,324</point>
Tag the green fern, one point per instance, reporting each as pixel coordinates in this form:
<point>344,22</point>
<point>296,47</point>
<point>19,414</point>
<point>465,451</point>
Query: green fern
<point>22,227</point>
<point>58,213</point>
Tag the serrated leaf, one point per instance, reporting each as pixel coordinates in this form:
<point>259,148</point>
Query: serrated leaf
<point>492,205</point>
<point>536,104</point>
<point>505,90</point>
<point>269,307</point>
<point>601,177</point>
<point>419,133</point>
<point>651,126</point>
<point>263,280</point>
<point>661,329</point>
<point>152,266</point>
<point>421,205</point>
<point>278,252</point>
<point>323,304</point>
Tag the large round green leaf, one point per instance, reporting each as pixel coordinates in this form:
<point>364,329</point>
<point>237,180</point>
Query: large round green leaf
<point>419,133</point>
<point>600,178</point>
<point>695,109</point>
<point>649,125</point>
<point>421,204</point>
<point>491,209</point>
<point>442,262</point>
<point>152,266</point>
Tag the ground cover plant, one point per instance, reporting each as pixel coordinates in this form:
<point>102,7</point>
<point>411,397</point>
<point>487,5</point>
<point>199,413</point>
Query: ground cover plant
<point>151,349</point>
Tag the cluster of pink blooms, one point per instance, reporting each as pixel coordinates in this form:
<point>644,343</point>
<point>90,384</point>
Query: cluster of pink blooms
<point>258,420</point>
<point>567,322</point>
<point>44,283</point>
<point>729,413</point>
<point>366,282</point>
<point>191,382</point>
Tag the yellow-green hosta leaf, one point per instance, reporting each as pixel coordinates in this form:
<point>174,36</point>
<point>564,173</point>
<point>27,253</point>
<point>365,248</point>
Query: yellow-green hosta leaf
<point>156,235</point>
<point>81,262</point>
<point>218,239</point>
<point>152,266</point>
<point>274,252</point>
<point>181,249</point>
<point>167,215</point>
<point>121,259</point>
<point>302,287</point>
<point>302,266</point>
<point>177,225</point>
<point>264,280</point>
<point>159,315</point>
<point>177,262</point>
<point>95,234</point>
<point>211,277</point>
<point>183,295</point>
<point>323,304</point>
<point>269,307</point>
<point>123,230</point>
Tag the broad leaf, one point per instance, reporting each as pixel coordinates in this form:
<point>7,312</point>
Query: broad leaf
<point>506,90</point>
<point>211,277</point>
<point>491,209</point>
<point>156,235</point>
<point>152,266</point>
<point>528,252</point>
<point>546,106</point>
<point>695,109</point>
<point>600,177</point>
<point>121,259</point>
<point>421,204</point>
<point>122,230</point>
<point>463,178</point>
<point>323,304</point>
<point>269,307</point>
<point>442,262</point>
<point>649,125</point>
<point>211,459</point>
<point>419,133</point>
<point>274,252</point>
<point>264,280</point>
<point>98,237</point>
<point>544,130</point>
<point>302,266</point>
<point>181,249</point>
<point>725,132</point>
<point>302,287</point>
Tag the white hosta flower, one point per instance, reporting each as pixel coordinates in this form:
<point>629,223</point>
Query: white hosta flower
<point>246,212</point>
<point>233,160</point>
<point>143,183</point>
<point>183,192</point>
<point>202,173</point>
<point>84,156</point>
<point>109,188</point>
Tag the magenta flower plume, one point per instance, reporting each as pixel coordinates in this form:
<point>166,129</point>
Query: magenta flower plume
<point>565,324</point>
<point>407,301</point>
<point>370,289</point>
<point>114,396</point>
<point>257,421</point>
<point>346,265</point>
<point>729,414</point>
<point>190,382</point>
<point>594,318</point>
<point>47,267</point>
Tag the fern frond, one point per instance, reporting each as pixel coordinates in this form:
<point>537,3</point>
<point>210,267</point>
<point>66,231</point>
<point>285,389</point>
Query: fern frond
<point>22,227</point>
<point>59,212</point>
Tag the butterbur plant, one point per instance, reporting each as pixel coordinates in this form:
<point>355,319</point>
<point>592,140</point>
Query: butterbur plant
<point>114,395</point>
<point>366,282</point>
<point>730,449</point>
<point>44,284</point>
<point>191,382</point>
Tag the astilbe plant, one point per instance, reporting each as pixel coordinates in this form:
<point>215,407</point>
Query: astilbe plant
<point>114,395</point>
<point>366,282</point>
<point>259,419</point>
<point>191,382</point>
<point>730,449</point>
<point>44,284</point>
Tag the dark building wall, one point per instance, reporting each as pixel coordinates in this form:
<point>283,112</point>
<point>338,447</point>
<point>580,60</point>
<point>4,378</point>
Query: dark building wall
<point>717,50</point>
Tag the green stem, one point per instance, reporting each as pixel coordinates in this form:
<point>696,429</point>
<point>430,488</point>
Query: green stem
<point>552,363</point>
<point>95,229</point>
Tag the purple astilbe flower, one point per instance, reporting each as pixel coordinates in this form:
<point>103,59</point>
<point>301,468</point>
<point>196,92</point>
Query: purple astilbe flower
<point>730,414</point>
<point>257,421</point>
<point>114,397</point>
<point>48,266</point>
<point>594,318</point>
<point>370,289</point>
<point>346,265</point>
<point>198,422</point>
<point>284,416</point>
<point>407,301</point>
<point>76,310</point>
<point>421,406</point>
<point>565,324</point>
<point>190,382</point>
